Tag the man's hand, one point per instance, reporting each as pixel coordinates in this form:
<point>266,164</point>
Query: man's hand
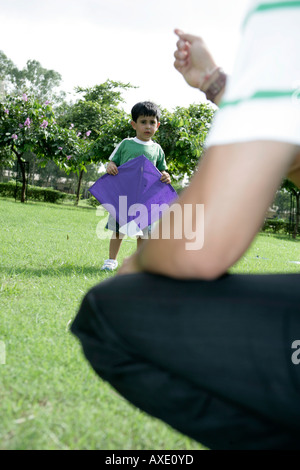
<point>193,59</point>
<point>112,169</point>
<point>129,266</point>
<point>165,177</point>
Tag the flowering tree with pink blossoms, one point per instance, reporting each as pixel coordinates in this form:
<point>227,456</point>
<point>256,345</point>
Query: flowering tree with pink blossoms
<point>29,125</point>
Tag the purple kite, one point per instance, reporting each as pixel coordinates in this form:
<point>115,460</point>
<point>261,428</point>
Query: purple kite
<point>135,197</point>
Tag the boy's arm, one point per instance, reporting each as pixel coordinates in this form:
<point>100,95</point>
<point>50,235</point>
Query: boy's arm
<point>112,167</point>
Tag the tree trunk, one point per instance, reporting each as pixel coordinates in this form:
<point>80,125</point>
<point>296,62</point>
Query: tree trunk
<point>78,188</point>
<point>297,218</point>
<point>32,173</point>
<point>23,173</point>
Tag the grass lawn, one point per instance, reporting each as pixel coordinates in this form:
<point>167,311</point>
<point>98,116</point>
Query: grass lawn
<point>50,398</point>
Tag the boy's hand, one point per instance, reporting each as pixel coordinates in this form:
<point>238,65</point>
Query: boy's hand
<point>112,169</point>
<point>165,177</point>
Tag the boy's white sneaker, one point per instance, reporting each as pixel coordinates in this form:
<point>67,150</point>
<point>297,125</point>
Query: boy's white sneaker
<point>109,265</point>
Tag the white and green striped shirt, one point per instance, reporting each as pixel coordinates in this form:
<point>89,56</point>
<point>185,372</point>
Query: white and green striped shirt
<point>262,97</point>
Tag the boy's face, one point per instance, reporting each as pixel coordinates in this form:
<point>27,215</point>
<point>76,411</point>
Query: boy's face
<point>145,127</point>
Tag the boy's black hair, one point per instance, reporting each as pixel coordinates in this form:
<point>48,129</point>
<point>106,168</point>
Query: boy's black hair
<point>145,108</point>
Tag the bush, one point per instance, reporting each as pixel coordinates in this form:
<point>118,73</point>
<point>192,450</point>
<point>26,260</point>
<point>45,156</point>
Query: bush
<point>34,193</point>
<point>92,201</point>
<point>279,226</point>
<point>274,225</point>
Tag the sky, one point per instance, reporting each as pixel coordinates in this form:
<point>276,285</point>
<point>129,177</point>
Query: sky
<point>132,41</point>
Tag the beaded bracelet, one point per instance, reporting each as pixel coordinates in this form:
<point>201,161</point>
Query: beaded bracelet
<point>218,85</point>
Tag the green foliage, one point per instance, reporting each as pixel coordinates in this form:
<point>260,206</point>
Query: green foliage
<point>27,125</point>
<point>23,124</point>
<point>113,131</point>
<point>35,193</point>
<point>6,158</point>
<point>282,201</point>
<point>182,135</point>
<point>295,191</point>
<point>98,110</point>
<point>6,67</point>
<point>93,202</point>
<point>37,80</point>
<point>279,226</point>
<point>289,186</point>
<point>107,94</point>
<point>85,116</point>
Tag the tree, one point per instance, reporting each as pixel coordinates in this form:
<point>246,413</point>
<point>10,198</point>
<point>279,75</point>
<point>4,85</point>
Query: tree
<point>6,68</point>
<point>96,107</point>
<point>295,192</point>
<point>107,94</point>
<point>35,79</point>
<point>182,135</point>
<point>27,125</point>
<point>39,82</point>
<point>113,131</point>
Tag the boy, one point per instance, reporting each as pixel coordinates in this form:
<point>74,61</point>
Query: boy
<point>145,121</point>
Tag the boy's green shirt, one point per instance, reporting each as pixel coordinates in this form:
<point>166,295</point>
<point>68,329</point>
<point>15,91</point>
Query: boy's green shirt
<point>132,147</point>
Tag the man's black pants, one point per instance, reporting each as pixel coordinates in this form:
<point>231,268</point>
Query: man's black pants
<point>216,360</point>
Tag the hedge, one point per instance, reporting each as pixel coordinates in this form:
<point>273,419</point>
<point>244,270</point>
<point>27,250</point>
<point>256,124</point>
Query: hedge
<point>34,193</point>
<point>279,226</point>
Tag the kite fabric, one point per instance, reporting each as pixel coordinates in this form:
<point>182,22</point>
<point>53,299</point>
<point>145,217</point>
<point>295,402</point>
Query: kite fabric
<point>135,197</point>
